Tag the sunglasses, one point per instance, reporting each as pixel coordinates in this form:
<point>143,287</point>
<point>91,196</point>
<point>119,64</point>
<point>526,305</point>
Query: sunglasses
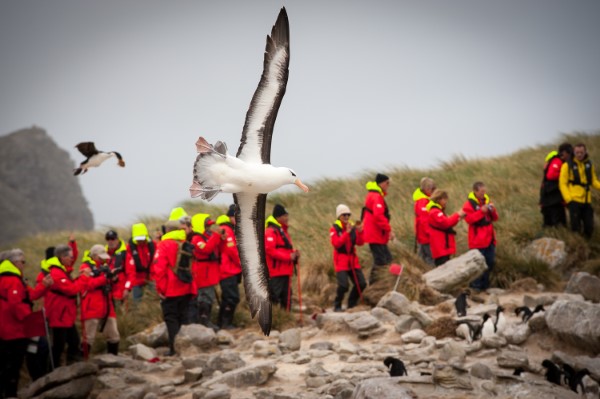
<point>345,214</point>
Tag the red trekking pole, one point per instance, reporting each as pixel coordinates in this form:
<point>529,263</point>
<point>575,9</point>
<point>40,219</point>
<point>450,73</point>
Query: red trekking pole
<point>356,280</point>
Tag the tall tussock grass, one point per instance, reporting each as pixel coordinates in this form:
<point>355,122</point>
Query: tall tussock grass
<point>513,183</point>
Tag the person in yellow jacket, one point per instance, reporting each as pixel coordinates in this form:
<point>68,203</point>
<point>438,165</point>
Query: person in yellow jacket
<point>576,177</point>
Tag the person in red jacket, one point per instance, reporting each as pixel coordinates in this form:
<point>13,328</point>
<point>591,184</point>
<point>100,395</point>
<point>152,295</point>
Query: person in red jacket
<point>421,199</point>
<point>117,250</point>
<point>281,257</point>
<point>344,239</point>
<point>171,271</point>
<point>140,252</point>
<point>376,224</point>
<point>481,214</point>
<point>552,203</point>
<point>61,306</point>
<point>15,305</point>
<point>97,306</point>
<point>441,233</point>
<point>230,270</point>
<point>206,238</point>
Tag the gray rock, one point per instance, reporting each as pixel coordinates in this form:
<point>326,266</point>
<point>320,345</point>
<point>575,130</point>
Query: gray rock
<point>316,382</point>
<point>457,272</point>
<point>537,322</point>
<point>413,336</point>
<point>517,333</point>
<point>192,375</point>
<point>290,339</point>
<point>481,371</point>
<point>224,337</point>
<point>265,349</point>
<point>452,350</point>
<point>513,359</point>
<point>382,388</point>
<point>362,322</point>
<point>322,345</point>
<point>191,362</point>
<point>585,284</point>
<point>384,315</point>
<point>224,361</point>
<point>194,335</point>
<point>153,337</point>
<point>406,323</point>
<point>394,302</point>
<point>575,322</point>
<point>340,388</point>
<point>346,347</point>
<point>317,370</point>
<point>142,352</point>
<point>451,378</point>
<point>107,360</point>
<point>495,341</point>
<point>253,375</point>
<point>332,321</point>
<point>64,380</point>
<point>548,250</point>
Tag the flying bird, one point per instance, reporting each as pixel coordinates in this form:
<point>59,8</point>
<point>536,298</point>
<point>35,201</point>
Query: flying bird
<point>249,176</point>
<point>94,158</point>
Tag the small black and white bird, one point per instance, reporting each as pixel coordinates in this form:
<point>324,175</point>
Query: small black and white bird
<point>575,379</point>
<point>500,323</point>
<point>94,158</point>
<point>553,372</point>
<point>461,303</point>
<point>396,366</point>
<point>488,328</point>
<point>527,313</point>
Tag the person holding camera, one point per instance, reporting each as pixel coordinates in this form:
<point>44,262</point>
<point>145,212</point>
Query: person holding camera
<point>171,270</point>
<point>97,305</point>
<point>281,257</point>
<point>117,250</point>
<point>441,232</point>
<point>345,236</point>
<point>480,216</point>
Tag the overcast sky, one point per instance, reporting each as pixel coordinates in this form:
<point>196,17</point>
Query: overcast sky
<point>372,84</point>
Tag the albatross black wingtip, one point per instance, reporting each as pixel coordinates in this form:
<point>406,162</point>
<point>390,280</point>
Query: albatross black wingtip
<point>264,309</point>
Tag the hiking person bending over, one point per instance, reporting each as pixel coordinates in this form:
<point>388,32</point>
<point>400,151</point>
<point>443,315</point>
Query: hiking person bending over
<point>344,239</point>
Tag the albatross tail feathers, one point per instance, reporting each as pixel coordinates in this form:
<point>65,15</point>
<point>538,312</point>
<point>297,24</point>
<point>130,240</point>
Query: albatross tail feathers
<point>261,306</point>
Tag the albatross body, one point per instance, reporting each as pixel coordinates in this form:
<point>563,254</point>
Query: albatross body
<point>249,176</point>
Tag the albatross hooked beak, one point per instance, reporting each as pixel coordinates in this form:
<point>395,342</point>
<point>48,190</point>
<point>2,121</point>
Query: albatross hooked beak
<point>302,186</point>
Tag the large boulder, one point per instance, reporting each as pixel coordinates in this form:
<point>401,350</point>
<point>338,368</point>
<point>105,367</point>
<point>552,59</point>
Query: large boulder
<point>399,305</point>
<point>457,272</point>
<point>548,250</point>
<point>75,381</point>
<point>253,375</point>
<point>585,284</point>
<point>382,388</point>
<point>196,336</point>
<point>576,323</point>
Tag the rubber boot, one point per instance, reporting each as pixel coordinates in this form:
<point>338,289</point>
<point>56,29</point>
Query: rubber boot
<point>227,322</point>
<point>112,347</point>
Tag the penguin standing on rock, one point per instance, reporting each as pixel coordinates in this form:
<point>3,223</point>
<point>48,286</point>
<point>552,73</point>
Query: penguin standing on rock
<point>396,366</point>
<point>461,303</point>
<point>94,158</point>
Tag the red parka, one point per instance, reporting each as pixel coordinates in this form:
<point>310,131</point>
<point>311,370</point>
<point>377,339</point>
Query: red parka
<point>421,217</point>
<point>344,246</point>
<point>95,303</point>
<point>205,266</point>
<point>118,260</point>
<point>376,216</point>
<point>165,259</point>
<point>15,301</point>
<point>61,299</point>
<point>138,262</point>
<point>230,258</point>
<point>278,248</point>
<point>441,242</point>
<point>481,228</point>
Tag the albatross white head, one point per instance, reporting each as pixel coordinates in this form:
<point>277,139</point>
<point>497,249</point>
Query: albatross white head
<point>293,179</point>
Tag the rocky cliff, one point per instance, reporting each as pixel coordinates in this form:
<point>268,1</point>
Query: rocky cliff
<point>39,191</point>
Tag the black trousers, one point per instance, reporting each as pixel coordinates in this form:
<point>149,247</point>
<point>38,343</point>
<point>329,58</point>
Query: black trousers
<point>281,292</point>
<point>441,260</point>
<point>68,336</point>
<point>230,291</point>
<point>381,257</point>
<point>343,283</point>
<point>38,361</point>
<point>12,353</point>
<point>582,215</point>
<point>175,313</point>
<point>554,215</point>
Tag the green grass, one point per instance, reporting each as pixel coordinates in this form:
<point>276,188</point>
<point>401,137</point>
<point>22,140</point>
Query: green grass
<point>513,183</point>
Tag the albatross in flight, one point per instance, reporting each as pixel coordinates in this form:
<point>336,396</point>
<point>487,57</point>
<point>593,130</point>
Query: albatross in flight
<point>94,157</point>
<point>249,176</point>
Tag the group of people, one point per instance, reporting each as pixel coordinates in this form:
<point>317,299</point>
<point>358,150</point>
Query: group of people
<point>568,178</point>
<point>184,264</point>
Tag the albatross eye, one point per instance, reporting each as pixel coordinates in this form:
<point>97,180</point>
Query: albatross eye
<point>293,174</point>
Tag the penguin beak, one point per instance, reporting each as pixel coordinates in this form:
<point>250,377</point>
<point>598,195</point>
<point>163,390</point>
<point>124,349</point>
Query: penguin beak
<point>302,186</point>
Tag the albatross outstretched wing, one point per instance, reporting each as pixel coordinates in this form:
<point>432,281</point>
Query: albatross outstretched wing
<point>250,237</point>
<point>255,144</point>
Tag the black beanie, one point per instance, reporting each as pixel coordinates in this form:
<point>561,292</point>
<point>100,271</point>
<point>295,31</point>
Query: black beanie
<point>279,210</point>
<point>49,252</point>
<point>231,210</point>
<point>380,178</point>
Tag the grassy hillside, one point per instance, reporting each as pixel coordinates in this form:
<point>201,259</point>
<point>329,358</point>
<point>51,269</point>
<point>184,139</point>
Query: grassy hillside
<point>513,183</point>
